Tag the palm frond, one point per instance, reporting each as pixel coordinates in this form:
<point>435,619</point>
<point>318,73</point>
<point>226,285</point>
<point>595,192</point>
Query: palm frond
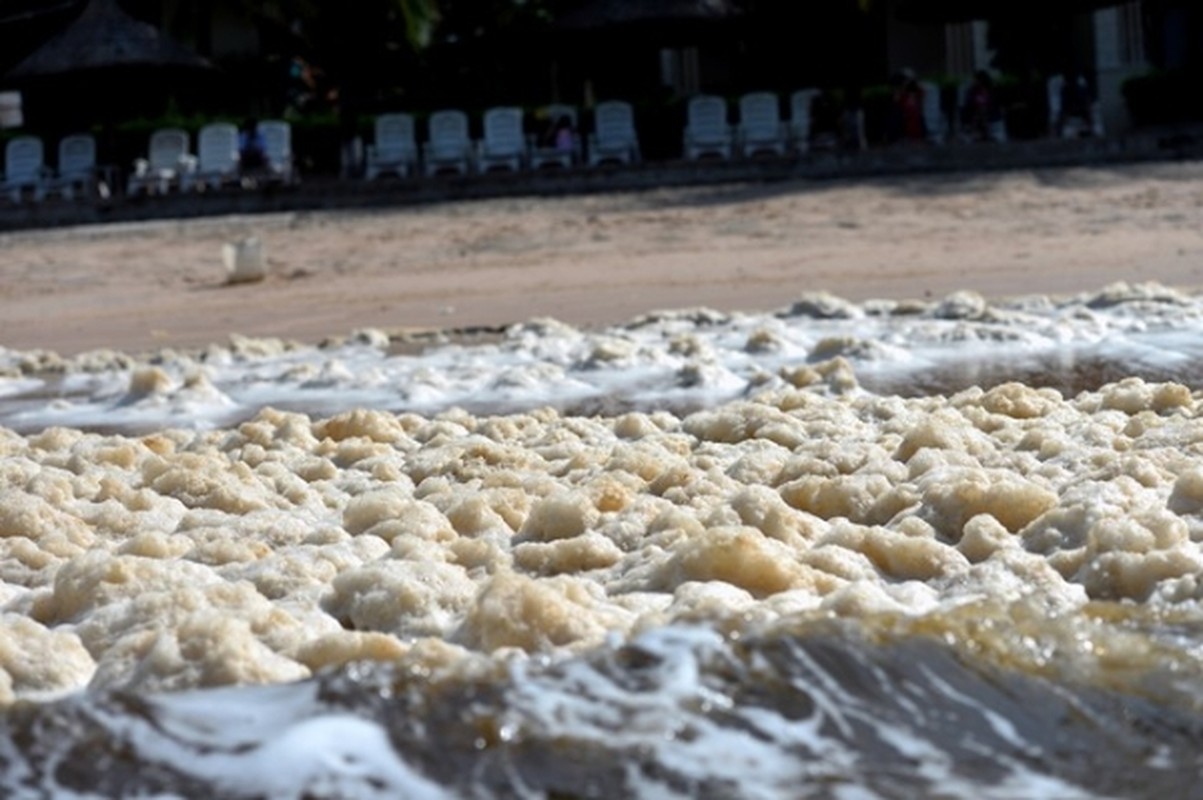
<point>420,16</point>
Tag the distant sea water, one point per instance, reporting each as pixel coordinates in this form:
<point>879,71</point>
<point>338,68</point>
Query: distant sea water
<point>892,549</point>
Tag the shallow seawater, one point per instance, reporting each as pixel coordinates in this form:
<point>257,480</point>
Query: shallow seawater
<point>1068,375</point>
<point>841,551</point>
<point>817,708</point>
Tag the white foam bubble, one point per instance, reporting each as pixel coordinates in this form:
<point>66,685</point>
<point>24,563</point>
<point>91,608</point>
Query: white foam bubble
<point>684,359</point>
<point>274,742</point>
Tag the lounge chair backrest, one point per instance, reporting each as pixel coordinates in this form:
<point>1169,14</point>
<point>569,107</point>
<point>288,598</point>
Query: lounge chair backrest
<point>168,146</point>
<point>799,106</point>
<point>503,134</point>
<point>759,115</point>
<point>449,133</point>
<point>76,155</point>
<point>395,133</point>
<point>614,123</point>
<point>24,159</point>
<point>707,114</point>
<point>277,140</point>
<point>217,147</point>
<point>708,117</point>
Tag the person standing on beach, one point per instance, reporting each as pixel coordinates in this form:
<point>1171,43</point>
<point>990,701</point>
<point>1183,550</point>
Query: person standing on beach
<point>908,109</point>
<point>981,109</point>
<point>252,149</point>
<point>564,139</point>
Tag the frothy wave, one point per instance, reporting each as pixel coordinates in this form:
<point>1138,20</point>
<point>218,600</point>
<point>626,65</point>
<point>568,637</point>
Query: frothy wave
<point>681,360</point>
<point>818,709</point>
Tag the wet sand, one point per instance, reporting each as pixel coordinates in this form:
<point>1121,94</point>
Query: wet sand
<point>603,258</point>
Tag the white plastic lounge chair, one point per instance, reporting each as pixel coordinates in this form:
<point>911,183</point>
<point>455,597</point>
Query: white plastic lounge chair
<point>216,157</point>
<point>450,145</point>
<point>760,127</point>
<point>25,168</point>
<point>394,148</point>
<point>503,145</point>
<point>76,165</point>
<point>545,154</point>
<point>277,141</point>
<point>799,118</point>
<point>614,138</point>
<point>1074,127</point>
<point>933,113</point>
<point>707,132</point>
<point>167,163</point>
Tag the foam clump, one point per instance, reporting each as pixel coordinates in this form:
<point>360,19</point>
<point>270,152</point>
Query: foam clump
<point>823,305</point>
<point>285,545</point>
<point>961,305</point>
<point>1124,292</point>
<point>38,662</point>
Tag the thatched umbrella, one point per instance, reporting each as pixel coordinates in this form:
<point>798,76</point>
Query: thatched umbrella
<point>106,64</point>
<point>105,37</point>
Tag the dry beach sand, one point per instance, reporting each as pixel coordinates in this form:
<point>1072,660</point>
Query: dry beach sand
<point>603,258</point>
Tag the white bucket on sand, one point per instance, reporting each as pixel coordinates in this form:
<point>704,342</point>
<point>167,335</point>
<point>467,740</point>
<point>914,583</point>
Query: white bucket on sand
<point>244,260</point>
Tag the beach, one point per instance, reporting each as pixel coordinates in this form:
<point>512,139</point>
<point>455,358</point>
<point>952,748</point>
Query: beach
<point>873,489</point>
<point>605,258</point>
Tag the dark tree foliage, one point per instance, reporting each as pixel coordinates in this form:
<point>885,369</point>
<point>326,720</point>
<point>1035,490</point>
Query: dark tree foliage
<point>836,43</point>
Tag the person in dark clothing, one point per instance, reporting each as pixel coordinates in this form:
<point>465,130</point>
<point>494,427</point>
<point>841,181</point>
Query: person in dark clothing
<point>981,110</point>
<point>825,121</point>
<point>252,148</point>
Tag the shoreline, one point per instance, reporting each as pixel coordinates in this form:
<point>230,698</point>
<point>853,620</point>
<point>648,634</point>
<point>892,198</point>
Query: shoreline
<point>602,259</point>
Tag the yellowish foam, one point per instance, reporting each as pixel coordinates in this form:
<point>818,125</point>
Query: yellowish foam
<point>285,545</point>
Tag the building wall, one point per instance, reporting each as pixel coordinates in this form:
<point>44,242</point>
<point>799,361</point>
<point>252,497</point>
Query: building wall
<point>966,48</point>
<point>955,49</point>
<point>1118,55</point>
<point>921,48</point>
<point>215,28</point>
